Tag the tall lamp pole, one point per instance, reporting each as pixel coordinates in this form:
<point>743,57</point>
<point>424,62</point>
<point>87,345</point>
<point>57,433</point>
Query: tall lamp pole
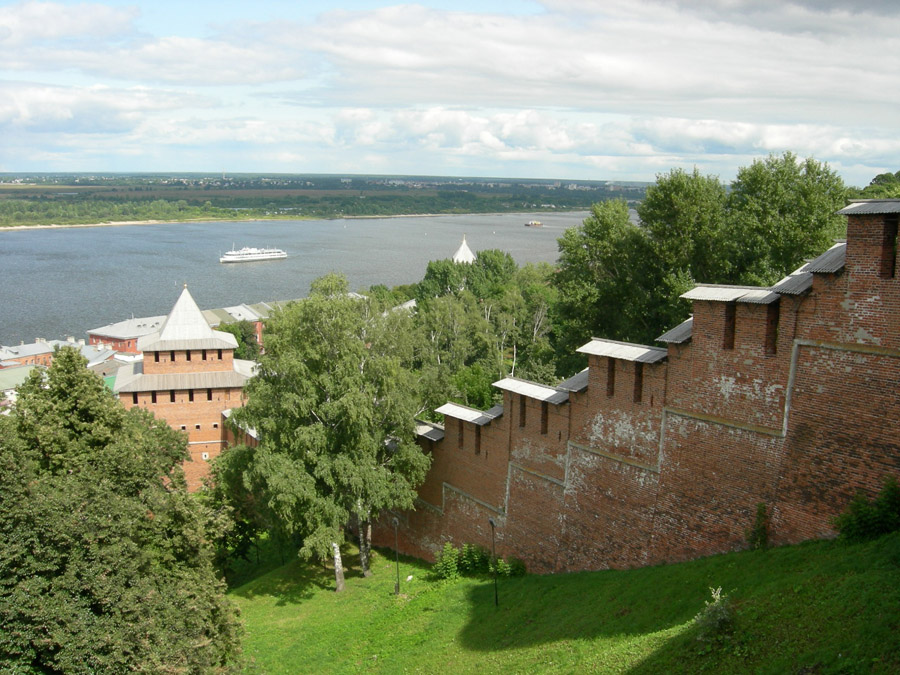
<point>494,555</point>
<point>397,556</point>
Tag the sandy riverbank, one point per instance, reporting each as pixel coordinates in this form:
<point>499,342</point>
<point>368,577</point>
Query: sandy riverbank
<point>121,223</point>
<point>112,223</point>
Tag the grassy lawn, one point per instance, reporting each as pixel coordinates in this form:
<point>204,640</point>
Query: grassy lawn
<point>821,607</point>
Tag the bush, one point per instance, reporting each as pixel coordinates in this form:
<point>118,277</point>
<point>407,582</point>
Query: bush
<point>864,519</point>
<point>446,564</point>
<point>716,618</point>
<point>472,560</point>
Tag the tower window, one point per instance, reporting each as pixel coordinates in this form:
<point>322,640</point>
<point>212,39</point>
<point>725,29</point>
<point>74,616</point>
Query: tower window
<point>521,410</point>
<point>889,248</point>
<point>638,382</point>
<point>773,312</point>
<point>730,325</point>
<point>545,414</point>
<point>610,377</point>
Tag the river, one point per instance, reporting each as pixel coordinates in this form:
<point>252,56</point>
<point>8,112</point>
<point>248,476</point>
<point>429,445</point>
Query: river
<point>60,282</point>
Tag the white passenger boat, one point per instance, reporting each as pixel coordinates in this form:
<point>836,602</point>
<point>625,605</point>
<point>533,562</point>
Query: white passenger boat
<point>251,254</point>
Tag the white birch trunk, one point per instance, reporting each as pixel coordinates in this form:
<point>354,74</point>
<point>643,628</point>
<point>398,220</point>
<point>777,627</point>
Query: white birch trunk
<point>338,568</point>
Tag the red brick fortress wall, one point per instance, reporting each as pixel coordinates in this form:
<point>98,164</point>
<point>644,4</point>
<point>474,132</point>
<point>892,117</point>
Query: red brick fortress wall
<point>791,401</point>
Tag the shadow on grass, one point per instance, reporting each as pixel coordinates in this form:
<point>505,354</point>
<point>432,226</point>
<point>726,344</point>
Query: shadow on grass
<point>300,580</point>
<point>823,599</point>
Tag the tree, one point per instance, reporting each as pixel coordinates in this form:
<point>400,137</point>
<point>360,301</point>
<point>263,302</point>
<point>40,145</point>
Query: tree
<point>106,562</point>
<point>781,211</point>
<point>334,405</point>
<point>621,281</point>
<point>684,214</point>
<point>245,333</point>
<point>883,186</point>
<point>611,284</point>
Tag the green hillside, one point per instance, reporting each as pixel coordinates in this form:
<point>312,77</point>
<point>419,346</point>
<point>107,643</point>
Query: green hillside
<point>821,607</point>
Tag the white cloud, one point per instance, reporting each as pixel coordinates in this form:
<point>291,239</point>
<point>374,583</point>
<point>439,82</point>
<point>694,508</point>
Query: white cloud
<point>97,109</point>
<point>581,86</point>
<point>26,23</point>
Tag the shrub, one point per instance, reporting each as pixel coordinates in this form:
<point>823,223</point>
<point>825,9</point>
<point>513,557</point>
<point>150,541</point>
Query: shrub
<point>758,535</point>
<point>716,618</point>
<point>446,564</point>
<point>474,559</point>
<point>864,519</point>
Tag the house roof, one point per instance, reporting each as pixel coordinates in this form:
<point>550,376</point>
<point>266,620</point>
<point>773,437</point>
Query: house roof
<point>623,350</point>
<point>680,334</point>
<point>723,293</point>
<point>800,280</point>
<point>833,260</point>
<point>533,390</point>
<point>576,383</point>
<point>10,378</point>
<point>186,328</point>
<point>131,378</point>
<point>430,430</point>
<point>870,207</point>
<point>130,328</point>
<point>467,414</point>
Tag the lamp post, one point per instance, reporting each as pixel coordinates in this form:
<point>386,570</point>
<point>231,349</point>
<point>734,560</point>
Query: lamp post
<point>397,555</point>
<point>494,556</point>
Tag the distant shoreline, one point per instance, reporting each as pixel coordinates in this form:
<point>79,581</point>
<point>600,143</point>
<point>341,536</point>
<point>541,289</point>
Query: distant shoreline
<point>125,223</point>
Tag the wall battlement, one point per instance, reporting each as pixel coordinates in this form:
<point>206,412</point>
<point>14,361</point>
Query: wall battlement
<point>787,396</point>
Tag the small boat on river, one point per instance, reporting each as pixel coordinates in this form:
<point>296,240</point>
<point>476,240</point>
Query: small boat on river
<point>251,254</point>
<point>534,223</point>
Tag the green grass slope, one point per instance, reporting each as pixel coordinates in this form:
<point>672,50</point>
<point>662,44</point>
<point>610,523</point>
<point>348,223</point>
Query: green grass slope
<point>821,607</point>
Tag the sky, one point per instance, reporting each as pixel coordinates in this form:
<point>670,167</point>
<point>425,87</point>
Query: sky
<point>564,89</point>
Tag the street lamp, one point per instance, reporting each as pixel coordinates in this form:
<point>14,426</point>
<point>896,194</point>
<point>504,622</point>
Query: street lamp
<point>397,555</point>
<point>494,556</point>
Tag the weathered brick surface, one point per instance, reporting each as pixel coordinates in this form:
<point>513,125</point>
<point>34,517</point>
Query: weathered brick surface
<point>200,418</point>
<point>799,411</point>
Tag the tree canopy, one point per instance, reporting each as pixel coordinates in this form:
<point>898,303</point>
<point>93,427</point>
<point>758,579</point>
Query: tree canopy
<point>334,405</point>
<point>622,280</point>
<point>106,562</point>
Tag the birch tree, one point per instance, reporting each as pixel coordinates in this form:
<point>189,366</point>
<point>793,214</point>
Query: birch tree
<point>334,405</point>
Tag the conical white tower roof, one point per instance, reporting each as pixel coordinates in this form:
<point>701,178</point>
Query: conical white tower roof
<point>464,253</point>
<point>185,328</point>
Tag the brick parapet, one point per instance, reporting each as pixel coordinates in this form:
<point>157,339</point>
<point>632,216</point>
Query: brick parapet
<point>799,417</point>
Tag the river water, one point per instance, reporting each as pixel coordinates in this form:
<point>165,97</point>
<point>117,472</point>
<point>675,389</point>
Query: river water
<point>64,281</point>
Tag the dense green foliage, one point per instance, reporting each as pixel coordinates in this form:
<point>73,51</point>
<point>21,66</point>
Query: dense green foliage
<point>471,560</point>
<point>821,607</point>
<point>106,561</point>
<point>867,519</point>
<point>622,280</point>
<point>245,333</point>
<point>883,186</point>
<point>477,323</point>
<point>334,404</point>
